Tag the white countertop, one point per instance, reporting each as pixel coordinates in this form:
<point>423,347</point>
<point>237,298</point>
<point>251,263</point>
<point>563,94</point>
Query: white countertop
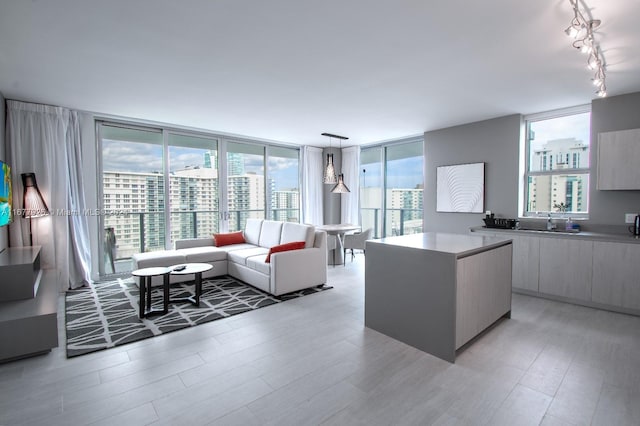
<point>582,235</point>
<point>456,244</point>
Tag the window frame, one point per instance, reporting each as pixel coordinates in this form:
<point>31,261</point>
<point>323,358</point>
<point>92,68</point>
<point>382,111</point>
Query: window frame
<point>542,116</point>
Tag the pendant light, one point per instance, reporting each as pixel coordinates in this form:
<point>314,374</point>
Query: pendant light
<point>340,187</point>
<point>329,170</point>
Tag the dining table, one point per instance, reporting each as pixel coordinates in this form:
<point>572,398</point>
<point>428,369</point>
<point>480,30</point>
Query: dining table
<point>339,230</point>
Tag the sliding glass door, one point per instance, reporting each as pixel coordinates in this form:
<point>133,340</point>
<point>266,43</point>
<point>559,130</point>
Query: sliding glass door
<point>391,193</point>
<point>371,189</point>
<point>404,181</point>
<point>133,195</point>
<point>245,184</point>
<point>193,186</point>
<point>283,187</point>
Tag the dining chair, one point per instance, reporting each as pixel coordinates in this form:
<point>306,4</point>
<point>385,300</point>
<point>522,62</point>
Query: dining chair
<point>356,242</point>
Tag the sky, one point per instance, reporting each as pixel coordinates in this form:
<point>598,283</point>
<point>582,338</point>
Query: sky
<point>572,126</point>
<point>404,173</point>
<point>119,156</point>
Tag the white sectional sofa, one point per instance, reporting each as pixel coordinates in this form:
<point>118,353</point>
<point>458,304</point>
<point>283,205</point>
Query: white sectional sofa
<point>287,271</point>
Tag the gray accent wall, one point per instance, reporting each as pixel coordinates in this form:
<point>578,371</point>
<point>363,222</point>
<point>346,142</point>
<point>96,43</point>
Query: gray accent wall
<point>4,239</point>
<point>607,115</point>
<point>494,142</point>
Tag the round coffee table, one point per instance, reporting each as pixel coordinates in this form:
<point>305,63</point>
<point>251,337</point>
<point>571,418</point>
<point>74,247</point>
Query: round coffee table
<point>145,275</point>
<point>191,268</point>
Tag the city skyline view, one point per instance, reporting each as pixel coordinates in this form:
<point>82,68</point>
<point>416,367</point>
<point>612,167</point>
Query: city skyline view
<point>124,156</point>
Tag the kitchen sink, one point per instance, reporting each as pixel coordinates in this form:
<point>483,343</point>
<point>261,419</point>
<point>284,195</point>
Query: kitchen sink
<point>555,231</point>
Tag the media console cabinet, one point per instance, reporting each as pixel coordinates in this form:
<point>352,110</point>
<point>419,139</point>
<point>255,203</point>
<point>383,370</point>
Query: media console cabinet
<point>28,304</point>
<point>437,291</point>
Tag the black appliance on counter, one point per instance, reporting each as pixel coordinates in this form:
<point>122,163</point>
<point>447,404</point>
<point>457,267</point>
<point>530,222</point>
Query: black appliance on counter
<point>501,223</point>
<point>635,229</point>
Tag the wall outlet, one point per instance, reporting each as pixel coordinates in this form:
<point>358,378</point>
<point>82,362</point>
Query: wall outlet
<point>629,217</point>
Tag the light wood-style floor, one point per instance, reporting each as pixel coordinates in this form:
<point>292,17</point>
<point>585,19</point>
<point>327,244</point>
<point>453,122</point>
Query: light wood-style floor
<point>311,361</point>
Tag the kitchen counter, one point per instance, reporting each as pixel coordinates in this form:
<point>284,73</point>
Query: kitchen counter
<point>582,235</point>
<point>437,291</point>
<point>460,245</point>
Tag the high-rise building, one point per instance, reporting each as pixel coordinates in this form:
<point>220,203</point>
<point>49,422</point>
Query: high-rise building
<point>405,210</point>
<point>235,164</point>
<point>135,205</point>
<point>285,205</point>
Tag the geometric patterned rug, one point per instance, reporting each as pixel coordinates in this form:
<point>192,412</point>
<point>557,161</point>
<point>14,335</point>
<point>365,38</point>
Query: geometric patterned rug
<point>105,314</point>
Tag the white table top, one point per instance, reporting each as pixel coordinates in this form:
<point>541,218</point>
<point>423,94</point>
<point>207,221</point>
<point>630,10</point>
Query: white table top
<point>150,272</point>
<point>191,268</point>
<point>337,228</point>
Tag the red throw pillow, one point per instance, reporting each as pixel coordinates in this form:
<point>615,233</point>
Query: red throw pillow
<point>296,245</point>
<point>228,239</point>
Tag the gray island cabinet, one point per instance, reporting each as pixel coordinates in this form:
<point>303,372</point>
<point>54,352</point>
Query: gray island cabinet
<point>437,291</point>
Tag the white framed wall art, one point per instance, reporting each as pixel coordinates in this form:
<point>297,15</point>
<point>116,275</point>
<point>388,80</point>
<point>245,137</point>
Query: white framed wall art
<point>460,188</point>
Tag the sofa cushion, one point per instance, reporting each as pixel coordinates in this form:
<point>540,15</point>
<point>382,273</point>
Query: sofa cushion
<point>228,239</point>
<point>240,256</point>
<point>203,254</point>
<point>194,242</point>
<point>258,263</point>
<point>270,234</point>
<point>297,232</point>
<point>296,245</point>
<point>154,259</point>
<point>233,247</point>
<point>252,231</point>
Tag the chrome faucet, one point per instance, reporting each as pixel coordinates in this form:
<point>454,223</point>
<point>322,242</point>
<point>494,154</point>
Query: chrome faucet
<point>550,224</point>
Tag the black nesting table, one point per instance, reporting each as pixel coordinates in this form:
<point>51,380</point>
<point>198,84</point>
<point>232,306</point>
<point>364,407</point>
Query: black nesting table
<point>191,268</point>
<point>145,275</point>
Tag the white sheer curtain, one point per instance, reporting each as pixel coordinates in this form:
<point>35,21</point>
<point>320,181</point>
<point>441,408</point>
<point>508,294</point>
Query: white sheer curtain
<point>350,203</point>
<point>45,140</point>
<point>312,172</point>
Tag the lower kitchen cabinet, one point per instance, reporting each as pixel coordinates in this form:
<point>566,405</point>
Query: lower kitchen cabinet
<point>526,262</point>
<point>566,268</point>
<point>616,274</point>
<point>603,274</point>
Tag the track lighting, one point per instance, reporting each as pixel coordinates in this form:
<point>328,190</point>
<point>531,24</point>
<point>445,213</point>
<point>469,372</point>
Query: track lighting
<point>581,30</point>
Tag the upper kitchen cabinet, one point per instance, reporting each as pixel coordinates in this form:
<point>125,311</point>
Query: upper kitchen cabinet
<point>618,159</point>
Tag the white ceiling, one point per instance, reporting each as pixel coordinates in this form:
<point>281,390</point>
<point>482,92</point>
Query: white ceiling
<point>288,70</point>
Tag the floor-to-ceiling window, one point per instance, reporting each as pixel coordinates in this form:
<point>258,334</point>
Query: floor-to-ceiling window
<point>392,186</point>
<point>284,183</point>
<point>245,183</point>
<point>193,186</point>
<point>371,189</point>
<point>160,185</point>
<point>404,183</point>
<point>132,193</point>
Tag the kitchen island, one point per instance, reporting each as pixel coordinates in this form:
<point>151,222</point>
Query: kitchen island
<point>437,291</point>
